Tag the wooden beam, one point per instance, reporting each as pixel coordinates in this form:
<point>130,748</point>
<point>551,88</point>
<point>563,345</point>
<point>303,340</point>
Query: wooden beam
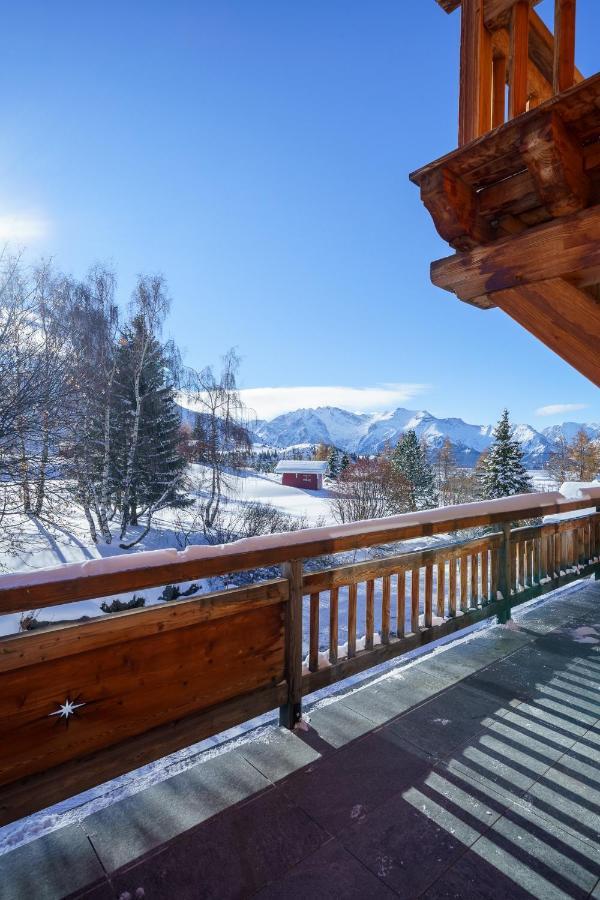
<point>518,60</point>
<point>496,12</point>
<point>556,164</point>
<point>560,248</point>
<point>564,45</point>
<point>564,318</point>
<point>541,49</point>
<point>474,116</point>
<point>454,208</point>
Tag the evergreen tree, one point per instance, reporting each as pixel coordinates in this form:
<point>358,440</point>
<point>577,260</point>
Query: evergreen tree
<point>409,458</point>
<point>503,472</point>
<point>334,462</point>
<point>345,462</point>
<point>148,465</point>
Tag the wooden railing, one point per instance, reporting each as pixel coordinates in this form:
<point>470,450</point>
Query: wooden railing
<point>85,701</point>
<point>506,43</point>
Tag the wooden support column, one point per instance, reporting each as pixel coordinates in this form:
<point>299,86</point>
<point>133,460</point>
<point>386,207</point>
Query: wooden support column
<point>518,59</point>
<point>564,45</point>
<point>474,117</point>
<point>504,580</point>
<point>555,162</point>
<point>291,712</point>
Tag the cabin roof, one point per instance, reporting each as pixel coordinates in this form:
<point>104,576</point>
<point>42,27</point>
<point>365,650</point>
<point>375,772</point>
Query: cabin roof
<point>301,466</point>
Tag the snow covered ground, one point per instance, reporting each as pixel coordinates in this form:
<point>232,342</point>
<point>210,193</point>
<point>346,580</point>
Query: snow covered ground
<point>48,546</point>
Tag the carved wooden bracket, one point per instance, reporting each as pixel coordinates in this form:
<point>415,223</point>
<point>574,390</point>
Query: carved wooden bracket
<point>454,208</point>
<point>556,164</point>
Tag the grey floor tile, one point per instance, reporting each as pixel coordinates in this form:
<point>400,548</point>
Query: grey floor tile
<point>448,722</point>
<point>122,832</point>
<point>384,700</point>
<point>329,874</point>
<point>278,753</point>
<point>337,724</point>
<point>50,868</point>
<point>540,857</point>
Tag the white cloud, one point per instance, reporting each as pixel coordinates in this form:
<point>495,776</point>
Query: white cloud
<point>268,402</point>
<point>557,409</point>
<point>23,227</point>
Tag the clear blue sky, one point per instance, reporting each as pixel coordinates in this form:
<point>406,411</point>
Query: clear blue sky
<point>257,153</point>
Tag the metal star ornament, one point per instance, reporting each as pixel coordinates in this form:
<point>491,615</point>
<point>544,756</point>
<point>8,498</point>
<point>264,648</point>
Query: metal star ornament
<point>67,709</point>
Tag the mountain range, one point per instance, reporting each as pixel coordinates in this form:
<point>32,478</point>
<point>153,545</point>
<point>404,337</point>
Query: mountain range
<point>367,433</point>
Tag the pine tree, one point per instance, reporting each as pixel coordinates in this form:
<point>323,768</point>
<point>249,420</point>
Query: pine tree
<point>345,462</point>
<point>334,462</point>
<point>409,458</point>
<point>503,472</point>
<point>148,465</point>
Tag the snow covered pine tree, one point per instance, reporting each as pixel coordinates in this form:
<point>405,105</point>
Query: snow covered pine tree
<point>334,462</point>
<point>503,471</point>
<point>409,458</point>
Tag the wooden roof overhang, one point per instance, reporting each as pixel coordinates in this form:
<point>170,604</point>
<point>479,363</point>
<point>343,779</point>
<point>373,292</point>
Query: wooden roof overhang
<point>521,206</point>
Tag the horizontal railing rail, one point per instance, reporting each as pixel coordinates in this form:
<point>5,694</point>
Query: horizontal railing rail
<point>102,578</point>
<point>85,701</point>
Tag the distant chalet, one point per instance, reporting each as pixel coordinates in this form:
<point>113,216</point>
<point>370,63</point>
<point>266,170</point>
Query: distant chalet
<point>301,473</point>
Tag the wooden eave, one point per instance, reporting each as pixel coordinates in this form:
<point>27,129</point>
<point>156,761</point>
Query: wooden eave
<point>521,204</point>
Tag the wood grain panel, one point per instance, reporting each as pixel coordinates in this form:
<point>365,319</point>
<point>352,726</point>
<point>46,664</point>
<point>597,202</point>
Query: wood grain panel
<point>133,686</point>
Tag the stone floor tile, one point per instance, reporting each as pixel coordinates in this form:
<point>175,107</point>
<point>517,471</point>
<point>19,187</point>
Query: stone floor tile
<point>125,830</point>
<point>278,753</point>
<point>342,788</point>
<point>337,724</point>
<point>232,855</point>
<point>329,874</point>
<point>50,868</point>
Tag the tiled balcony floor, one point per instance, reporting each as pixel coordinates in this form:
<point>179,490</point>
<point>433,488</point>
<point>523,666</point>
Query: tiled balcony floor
<point>472,773</point>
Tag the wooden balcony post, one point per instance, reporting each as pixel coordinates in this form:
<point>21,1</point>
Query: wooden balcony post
<point>518,62</point>
<point>291,712</point>
<point>564,45</point>
<point>504,581</point>
<point>475,97</point>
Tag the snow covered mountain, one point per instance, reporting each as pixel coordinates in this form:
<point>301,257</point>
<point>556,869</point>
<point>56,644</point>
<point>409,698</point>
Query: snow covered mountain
<point>568,430</point>
<point>368,433</point>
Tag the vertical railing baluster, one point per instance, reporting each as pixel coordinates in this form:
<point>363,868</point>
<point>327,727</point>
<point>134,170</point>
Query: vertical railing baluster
<point>428,611</point>
<point>441,589</point>
<point>464,594</point>
<point>333,624</point>
<point>475,579</point>
<point>401,600</point>
<point>385,608</point>
<point>415,579</point>
<point>352,593</point>
<point>313,653</point>
<point>370,614</point>
<point>452,587</point>
<point>485,575</point>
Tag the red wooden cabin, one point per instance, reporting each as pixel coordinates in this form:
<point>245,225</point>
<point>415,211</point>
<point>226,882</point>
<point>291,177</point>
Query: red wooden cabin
<point>301,473</point>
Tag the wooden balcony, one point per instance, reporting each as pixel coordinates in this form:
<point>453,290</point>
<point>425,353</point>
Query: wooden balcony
<point>481,759</point>
<point>82,703</point>
<point>520,202</point>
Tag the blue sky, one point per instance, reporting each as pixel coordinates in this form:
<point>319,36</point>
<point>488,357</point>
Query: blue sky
<point>257,153</point>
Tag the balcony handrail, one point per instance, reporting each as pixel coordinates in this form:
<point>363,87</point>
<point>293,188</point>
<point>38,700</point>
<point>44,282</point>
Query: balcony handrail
<point>104,577</point>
